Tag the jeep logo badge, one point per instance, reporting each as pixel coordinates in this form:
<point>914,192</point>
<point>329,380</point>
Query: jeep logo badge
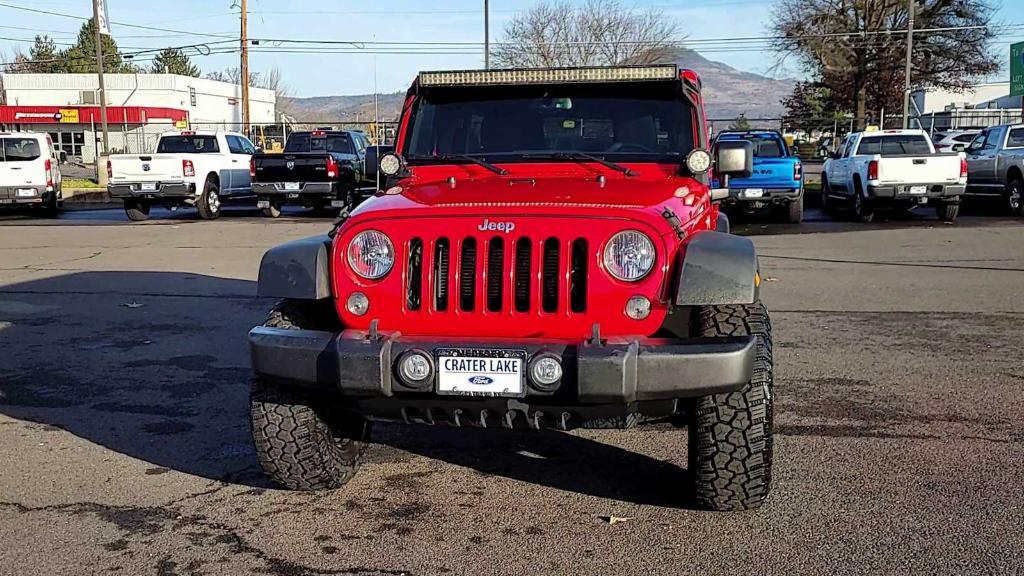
<point>145,167</point>
<point>289,165</point>
<point>488,226</point>
<point>480,380</point>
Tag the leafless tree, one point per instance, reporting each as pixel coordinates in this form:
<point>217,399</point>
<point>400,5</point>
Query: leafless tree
<point>599,32</point>
<point>271,80</point>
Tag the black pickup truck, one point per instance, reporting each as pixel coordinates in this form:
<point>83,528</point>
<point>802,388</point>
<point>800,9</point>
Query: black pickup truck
<point>319,169</point>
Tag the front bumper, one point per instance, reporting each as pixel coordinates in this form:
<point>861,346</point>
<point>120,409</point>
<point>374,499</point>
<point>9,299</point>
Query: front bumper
<point>162,190</point>
<point>278,190</point>
<point>21,195</point>
<point>903,192</point>
<point>357,367</point>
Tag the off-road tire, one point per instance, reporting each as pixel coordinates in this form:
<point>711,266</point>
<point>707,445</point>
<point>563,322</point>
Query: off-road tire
<point>1014,198</point>
<point>272,211</point>
<point>208,202</point>
<point>947,212</point>
<point>136,210</point>
<point>303,441</point>
<point>730,447</point>
<point>795,210</point>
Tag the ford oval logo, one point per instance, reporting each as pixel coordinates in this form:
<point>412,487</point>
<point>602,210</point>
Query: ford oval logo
<point>480,380</point>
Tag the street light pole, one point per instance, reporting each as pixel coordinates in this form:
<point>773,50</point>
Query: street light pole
<point>99,69</point>
<point>910,55</point>
<point>245,68</point>
<point>487,35</point>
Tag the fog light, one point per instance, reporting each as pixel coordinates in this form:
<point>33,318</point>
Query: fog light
<point>545,371</point>
<point>358,303</point>
<point>638,308</point>
<point>415,367</point>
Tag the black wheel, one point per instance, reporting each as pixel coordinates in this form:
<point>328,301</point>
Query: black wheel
<point>827,204</point>
<point>208,202</point>
<point>862,209</point>
<point>795,210</point>
<point>272,211</point>
<point>50,208</point>
<point>947,212</point>
<point>137,210</point>
<point>304,441</point>
<point>730,448</point>
<point>1015,196</point>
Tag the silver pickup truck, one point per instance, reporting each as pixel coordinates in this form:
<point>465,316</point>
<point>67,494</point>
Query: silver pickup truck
<point>995,165</point>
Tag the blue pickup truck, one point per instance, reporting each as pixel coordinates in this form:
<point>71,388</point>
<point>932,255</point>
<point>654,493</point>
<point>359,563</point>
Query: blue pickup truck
<point>777,181</point>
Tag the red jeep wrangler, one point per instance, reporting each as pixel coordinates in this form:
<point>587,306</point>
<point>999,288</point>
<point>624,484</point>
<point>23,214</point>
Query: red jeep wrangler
<point>546,254</point>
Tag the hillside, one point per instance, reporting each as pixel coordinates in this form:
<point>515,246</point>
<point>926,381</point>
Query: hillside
<point>729,92</point>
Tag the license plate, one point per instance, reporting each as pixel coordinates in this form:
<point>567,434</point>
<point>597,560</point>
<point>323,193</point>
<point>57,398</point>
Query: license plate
<point>337,203</point>
<point>753,193</point>
<point>25,192</point>
<point>918,189</point>
<point>291,195</point>
<point>291,185</point>
<point>148,187</point>
<point>263,203</point>
<point>922,200</point>
<point>6,201</point>
<point>480,372</point>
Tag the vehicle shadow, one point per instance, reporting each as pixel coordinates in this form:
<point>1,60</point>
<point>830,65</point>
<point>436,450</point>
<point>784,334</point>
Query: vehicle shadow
<point>155,366</point>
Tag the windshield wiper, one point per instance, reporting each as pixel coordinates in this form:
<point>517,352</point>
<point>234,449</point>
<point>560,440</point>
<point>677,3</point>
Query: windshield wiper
<point>473,159</point>
<point>585,156</point>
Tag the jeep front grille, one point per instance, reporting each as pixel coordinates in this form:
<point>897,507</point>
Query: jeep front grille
<point>498,274</point>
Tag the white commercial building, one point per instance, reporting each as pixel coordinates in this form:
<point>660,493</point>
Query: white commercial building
<point>140,106</point>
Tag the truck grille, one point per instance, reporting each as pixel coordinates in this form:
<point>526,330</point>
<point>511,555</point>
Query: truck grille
<point>497,275</point>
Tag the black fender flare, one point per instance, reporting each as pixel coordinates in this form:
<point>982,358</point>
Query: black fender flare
<point>299,269</point>
<point>718,268</point>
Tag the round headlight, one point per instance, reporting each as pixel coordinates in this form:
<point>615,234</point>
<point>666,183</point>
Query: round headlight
<point>629,255</point>
<point>371,254</point>
<point>698,161</point>
<point>390,164</point>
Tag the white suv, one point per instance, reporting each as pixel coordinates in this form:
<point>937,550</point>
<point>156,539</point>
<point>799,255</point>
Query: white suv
<point>29,172</point>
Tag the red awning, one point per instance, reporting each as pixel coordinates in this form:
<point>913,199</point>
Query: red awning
<point>89,115</point>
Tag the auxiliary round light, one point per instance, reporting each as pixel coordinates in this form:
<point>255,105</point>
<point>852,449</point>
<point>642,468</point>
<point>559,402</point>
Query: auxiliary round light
<point>638,307</point>
<point>357,304</point>
<point>545,371</point>
<point>371,254</point>
<point>415,367</point>
<point>390,164</point>
<point>629,255</point>
<point>698,161</point>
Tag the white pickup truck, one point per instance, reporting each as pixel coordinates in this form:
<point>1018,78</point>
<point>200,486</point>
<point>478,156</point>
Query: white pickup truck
<point>894,169</point>
<point>188,169</point>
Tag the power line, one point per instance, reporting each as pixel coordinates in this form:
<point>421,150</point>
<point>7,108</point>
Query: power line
<point>139,26</point>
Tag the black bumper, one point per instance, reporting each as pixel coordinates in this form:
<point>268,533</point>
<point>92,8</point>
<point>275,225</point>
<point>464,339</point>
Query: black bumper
<point>277,190</point>
<point>18,195</point>
<point>163,190</point>
<point>593,375</point>
<point>902,192</point>
<point>773,195</point>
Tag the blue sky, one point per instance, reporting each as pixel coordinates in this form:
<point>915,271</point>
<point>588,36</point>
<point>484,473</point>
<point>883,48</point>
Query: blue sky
<point>381,21</point>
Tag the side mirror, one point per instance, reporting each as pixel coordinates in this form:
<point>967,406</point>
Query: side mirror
<point>734,158</point>
<point>259,150</point>
<point>372,163</point>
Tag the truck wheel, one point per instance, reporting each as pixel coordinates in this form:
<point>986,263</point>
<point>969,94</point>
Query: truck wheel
<point>137,210</point>
<point>862,209</point>
<point>826,203</point>
<point>796,210</point>
<point>50,209</point>
<point>730,447</point>
<point>947,212</point>
<point>272,211</point>
<point>209,202</point>
<point>1015,196</point>
<point>303,441</point>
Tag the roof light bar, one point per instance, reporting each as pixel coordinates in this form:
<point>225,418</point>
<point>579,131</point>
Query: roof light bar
<point>549,75</point>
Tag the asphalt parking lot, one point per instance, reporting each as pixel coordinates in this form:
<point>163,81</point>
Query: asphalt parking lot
<point>125,449</point>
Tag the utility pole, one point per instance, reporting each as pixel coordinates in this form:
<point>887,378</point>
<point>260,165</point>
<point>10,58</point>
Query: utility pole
<point>487,35</point>
<point>245,67</point>
<point>910,55</point>
<point>100,27</point>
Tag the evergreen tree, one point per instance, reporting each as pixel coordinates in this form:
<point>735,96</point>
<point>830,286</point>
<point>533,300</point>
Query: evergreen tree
<point>174,61</point>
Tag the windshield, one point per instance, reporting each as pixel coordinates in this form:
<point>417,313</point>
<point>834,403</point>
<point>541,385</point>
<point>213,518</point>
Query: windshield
<point>305,142</point>
<point>896,145</point>
<point>187,145</point>
<point>634,123</point>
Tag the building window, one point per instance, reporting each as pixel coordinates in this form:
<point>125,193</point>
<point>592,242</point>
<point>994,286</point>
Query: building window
<point>87,97</point>
<point>192,95</point>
